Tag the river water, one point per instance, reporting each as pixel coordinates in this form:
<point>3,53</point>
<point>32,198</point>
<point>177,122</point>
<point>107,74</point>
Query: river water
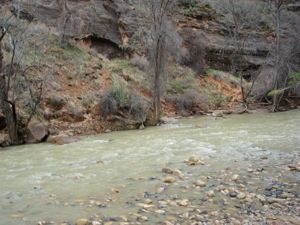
<point>107,177</point>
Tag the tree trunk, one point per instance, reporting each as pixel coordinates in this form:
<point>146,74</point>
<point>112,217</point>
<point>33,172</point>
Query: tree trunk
<point>278,81</point>
<point>157,82</point>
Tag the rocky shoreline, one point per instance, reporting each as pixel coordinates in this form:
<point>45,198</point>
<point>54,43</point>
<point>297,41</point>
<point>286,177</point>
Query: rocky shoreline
<point>259,190</point>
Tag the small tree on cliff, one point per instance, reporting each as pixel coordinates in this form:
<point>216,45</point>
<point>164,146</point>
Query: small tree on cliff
<point>154,29</point>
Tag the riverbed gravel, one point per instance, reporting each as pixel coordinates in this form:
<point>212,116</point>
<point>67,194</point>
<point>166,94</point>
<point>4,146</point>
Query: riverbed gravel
<point>260,190</point>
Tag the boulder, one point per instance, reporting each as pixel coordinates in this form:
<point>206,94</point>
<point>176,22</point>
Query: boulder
<point>72,115</point>
<point>55,102</point>
<point>36,132</point>
<point>62,139</point>
<point>4,140</point>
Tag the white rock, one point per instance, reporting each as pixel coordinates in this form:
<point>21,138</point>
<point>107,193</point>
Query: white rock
<point>210,193</point>
<point>235,177</point>
<point>184,202</point>
<point>241,195</point>
<point>200,183</point>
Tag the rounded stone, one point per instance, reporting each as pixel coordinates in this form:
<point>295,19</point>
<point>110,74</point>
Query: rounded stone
<point>170,180</point>
<point>82,222</point>
<point>235,177</point>
<point>210,193</point>
<point>241,196</point>
<point>233,194</point>
<point>200,183</point>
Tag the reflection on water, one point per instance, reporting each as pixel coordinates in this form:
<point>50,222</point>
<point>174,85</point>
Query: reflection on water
<point>44,181</point>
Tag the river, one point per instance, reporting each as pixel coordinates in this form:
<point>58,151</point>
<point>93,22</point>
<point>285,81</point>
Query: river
<point>114,177</point>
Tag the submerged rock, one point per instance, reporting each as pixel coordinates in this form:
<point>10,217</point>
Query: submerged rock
<point>62,139</point>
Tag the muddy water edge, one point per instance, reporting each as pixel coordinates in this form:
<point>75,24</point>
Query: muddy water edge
<point>242,169</point>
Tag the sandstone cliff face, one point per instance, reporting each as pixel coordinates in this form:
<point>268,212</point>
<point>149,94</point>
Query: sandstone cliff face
<point>100,23</point>
<point>79,18</point>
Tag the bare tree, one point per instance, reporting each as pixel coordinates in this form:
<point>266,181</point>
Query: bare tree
<point>285,56</point>
<point>14,80</point>
<point>240,15</point>
<point>158,34</point>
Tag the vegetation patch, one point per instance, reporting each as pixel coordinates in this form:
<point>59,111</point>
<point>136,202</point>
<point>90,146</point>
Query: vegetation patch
<point>218,74</point>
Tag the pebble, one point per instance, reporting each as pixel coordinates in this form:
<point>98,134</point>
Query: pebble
<point>160,190</point>
<point>184,202</point>
<point>148,201</point>
<point>193,160</point>
<point>210,193</point>
<point>220,188</point>
<point>169,180</point>
<point>235,177</point>
<point>275,200</point>
<point>233,194</point>
<point>259,169</point>
<point>82,222</point>
<point>144,218</point>
<point>241,195</point>
<point>178,173</point>
<point>160,211</point>
<point>167,170</point>
<point>96,223</point>
<point>168,223</point>
<point>200,183</point>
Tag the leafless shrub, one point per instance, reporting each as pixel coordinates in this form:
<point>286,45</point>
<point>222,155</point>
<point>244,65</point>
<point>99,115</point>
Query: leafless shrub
<point>115,100</point>
<point>108,103</point>
<point>139,107</point>
<point>141,62</point>
<point>190,102</point>
<point>263,83</point>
